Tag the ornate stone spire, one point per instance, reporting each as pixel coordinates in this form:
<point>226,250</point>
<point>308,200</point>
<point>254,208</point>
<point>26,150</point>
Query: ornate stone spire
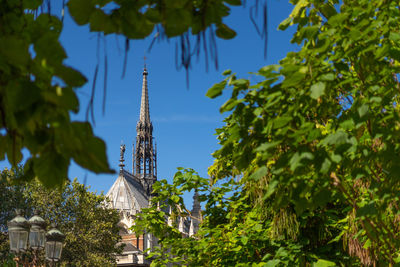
<point>144,103</point>
<point>144,156</point>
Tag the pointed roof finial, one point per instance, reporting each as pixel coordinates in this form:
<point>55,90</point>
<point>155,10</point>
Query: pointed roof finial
<point>145,65</point>
<point>144,104</point>
<point>121,159</point>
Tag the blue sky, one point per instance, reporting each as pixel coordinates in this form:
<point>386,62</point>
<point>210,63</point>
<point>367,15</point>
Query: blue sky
<point>184,119</point>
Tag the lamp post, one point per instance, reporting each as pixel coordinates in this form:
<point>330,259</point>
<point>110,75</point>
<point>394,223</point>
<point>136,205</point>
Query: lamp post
<point>19,229</point>
<point>37,235</point>
<point>54,243</point>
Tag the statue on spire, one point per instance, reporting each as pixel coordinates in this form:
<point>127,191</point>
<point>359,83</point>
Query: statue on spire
<point>122,159</point>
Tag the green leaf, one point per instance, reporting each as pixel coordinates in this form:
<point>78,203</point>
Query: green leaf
<point>281,122</point>
<point>327,77</point>
<point>337,138</point>
<point>285,23</point>
<point>296,159</point>
<point>363,110</point>
<point>32,4</point>
<point>216,89</point>
<point>298,7</point>
<point>293,79</point>
<point>367,210</point>
<point>367,244</point>
<point>177,22</point>
<point>153,15</point>
<point>240,83</point>
<point>394,52</point>
<point>338,19</point>
<point>175,198</point>
<point>230,104</point>
<point>317,90</point>
<point>70,76</point>
<point>14,50</point>
<point>80,10</point>
<point>268,70</point>
<point>323,263</point>
<point>100,22</point>
<point>176,4</point>
<point>14,147</point>
<point>325,166</point>
<point>328,10</point>
<point>87,150</point>
<point>49,48</point>
<point>51,167</point>
<point>23,94</point>
<point>259,173</point>
<point>233,2</point>
<point>267,146</point>
<point>3,147</point>
<point>347,124</point>
<point>394,36</point>
<point>224,32</point>
<point>271,188</point>
<point>227,72</point>
<point>272,263</point>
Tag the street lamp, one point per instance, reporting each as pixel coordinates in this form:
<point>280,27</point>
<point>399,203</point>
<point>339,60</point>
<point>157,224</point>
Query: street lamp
<point>36,235</point>
<point>18,230</point>
<point>37,232</point>
<point>54,243</point>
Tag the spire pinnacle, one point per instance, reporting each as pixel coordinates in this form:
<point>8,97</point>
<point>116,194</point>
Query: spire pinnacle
<point>145,158</point>
<point>144,104</point>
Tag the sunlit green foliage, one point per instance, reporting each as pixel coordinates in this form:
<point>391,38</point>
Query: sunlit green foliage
<point>37,94</point>
<point>91,230</point>
<point>137,20</point>
<point>38,91</point>
<point>309,164</point>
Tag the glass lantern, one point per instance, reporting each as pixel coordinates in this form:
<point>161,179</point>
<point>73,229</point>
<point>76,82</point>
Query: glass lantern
<point>18,230</point>
<point>37,232</point>
<point>54,244</point>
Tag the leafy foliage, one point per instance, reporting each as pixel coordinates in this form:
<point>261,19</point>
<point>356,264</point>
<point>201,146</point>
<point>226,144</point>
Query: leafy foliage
<point>307,173</point>
<point>37,94</point>
<point>38,91</point>
<point>91,229</point>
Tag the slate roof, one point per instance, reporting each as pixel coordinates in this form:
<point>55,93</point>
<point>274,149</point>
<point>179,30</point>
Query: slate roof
<point>127,193</point>
<point>129,247</point>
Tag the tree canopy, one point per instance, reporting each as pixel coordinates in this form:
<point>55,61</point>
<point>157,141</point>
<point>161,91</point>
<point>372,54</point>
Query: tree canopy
<point>308,169</point>
<point>38,90</point>
<point>91,229</point>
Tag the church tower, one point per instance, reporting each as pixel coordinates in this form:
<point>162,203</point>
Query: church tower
<point>145,154</point>
<point>132,192</point>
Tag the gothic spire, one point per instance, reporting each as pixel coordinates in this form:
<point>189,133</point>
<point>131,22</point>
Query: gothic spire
<point>144,103</point>
<point>144,157</point>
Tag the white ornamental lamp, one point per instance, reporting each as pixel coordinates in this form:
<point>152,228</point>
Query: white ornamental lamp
<point>18,231</point>
<point>54,244</point>
<point>37,233</point>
